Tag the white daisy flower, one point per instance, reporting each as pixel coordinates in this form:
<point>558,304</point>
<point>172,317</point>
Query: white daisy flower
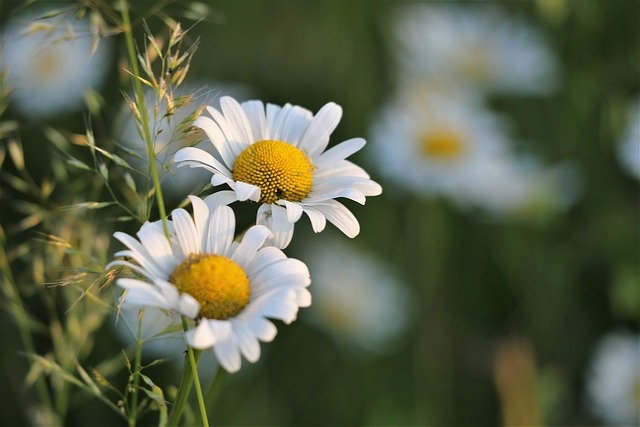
<point>50,69</point>
<point>169,135</point>
<point>229,288</point>
<point>277,157</point>
<point>357,300</point>
<point>629,147</point>
<point>613,380</point>
<point>481,48</point>
<point>429,143</point>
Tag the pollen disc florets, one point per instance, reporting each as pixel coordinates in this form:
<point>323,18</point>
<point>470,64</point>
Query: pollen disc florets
<point>280,169</point>
<point>216,282</point>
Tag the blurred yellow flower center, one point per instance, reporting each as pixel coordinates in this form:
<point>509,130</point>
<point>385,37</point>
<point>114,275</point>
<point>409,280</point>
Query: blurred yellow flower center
<point>216,282</point>
<point>47,64</point>
<point>281,171</point>
<point>445,145</point>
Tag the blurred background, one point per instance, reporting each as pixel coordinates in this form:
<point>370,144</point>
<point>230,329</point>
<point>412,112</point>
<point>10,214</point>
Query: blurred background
<point>494,282</point>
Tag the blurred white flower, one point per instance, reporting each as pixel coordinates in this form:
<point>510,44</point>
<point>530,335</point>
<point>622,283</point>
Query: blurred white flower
<point>481,48</point>
<point>613,380</point>
<point>230,288</point>
<point>629,146</point>
<point>50,63</point>
<point>429,143</point>
<point>519,187</point>
<point>356,298</point>
<point>170,134</point>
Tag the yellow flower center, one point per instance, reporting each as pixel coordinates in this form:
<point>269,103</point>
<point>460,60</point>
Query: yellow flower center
<point>445,145</point>
<point>281,171</point>
<point>216,282</point>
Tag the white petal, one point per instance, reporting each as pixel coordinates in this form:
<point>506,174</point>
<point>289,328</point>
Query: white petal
<point>228,354</point>
<point>256,115</point>
<point>274,217</point>
<point>196,157</point>
<point>217,138</point>
<point>220,198</point>
<point>246,191</point>
<point>295,122</point>
<point>318,220</point>
<point>247,341</point>
<point>221,328</point>
<point>233,139</point>
<point>316,137</point>
<point>278,303</point>
<point>339,216</point>
<point>320,194</point>
<point>186,232</point>
<point>262,328</point>
<point>200,219</point>
<point>188,306</point>
<point>264,258</point>
<point>221,230</point>
<point>294,210</point>
<point>219,179</point>
<point>237,118</point>
<point>290,273</point>
<point>142,294</point>
<point>271,115</point>
<point>202,337</point>
<point>339,152</point>
<point>253,240</point>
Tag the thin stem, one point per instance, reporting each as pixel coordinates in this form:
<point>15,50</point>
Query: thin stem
<point>183,391</point>
<point>189,376</point>
<point>126,23</point>
<point>196,379</point>
<point>216,387</point>
<point>136,373</point>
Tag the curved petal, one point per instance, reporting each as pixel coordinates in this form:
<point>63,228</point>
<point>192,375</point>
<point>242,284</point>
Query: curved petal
<point>197,157</point>
<point>237,119</point>
<point>264,258</point>
<point>318,220</point>
<point>339,152</point>
<point>233,140</point>
<point>294,210</point>
<point>200,219</point>
<point>246,191</point>
<point>256,115</point>
<point>274,217</point>
<point>247,341</point>
<point>316,137</point>
<point>228,354</point>
<point>295,121</point>
<point>202,336</point>
<point>142,294</point>
<point>217,138</point>
<point>221,232</point>
<point>253,240</point>
<point>340,216</point>
<point>220,198</point>
<point>186,232</point>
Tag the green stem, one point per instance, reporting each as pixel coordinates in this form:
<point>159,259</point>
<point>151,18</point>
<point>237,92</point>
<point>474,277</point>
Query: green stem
<point>216,387</point>
<point>126,23</point>
<point>12,295</point>
<point>136,373</point>
<point>189,376</point>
